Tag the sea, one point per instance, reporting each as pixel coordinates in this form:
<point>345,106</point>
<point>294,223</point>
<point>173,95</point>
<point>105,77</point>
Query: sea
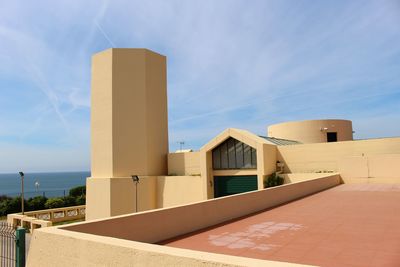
<point>49,184</point>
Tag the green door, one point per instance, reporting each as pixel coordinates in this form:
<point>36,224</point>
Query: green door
<point>230,185</point>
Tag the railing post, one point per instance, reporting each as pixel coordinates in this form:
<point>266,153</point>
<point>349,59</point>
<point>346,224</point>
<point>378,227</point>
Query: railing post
<point>20,248</point>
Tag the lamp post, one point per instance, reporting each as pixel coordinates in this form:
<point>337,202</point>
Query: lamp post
<point>135,179</point>
<point>22,191</point>
<point>37,184</point>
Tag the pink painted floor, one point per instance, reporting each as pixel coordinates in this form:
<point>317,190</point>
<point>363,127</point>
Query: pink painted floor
<point>349,225</point>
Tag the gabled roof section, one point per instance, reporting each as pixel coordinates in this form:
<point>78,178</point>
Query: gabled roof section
<point>244,136</point>
<point>279,141</point>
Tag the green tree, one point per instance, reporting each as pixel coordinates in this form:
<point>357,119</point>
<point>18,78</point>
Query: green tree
<point>52,203</point>
<point>70,201</point>
<point>37,203</point>
<point>273,180</point>
<point>4,204</point>
<point>12,205</point>
<point>77,191</point>
<point>81,200</point>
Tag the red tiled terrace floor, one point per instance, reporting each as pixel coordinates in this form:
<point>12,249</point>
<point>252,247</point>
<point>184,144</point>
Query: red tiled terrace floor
<point>349,225</point>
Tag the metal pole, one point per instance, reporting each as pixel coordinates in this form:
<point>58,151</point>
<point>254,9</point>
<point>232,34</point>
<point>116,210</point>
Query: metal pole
<point>23,197</point>
<point>136,196</point>
<point>22,192</point>
<point>20,251</point>
<point>135,179</point>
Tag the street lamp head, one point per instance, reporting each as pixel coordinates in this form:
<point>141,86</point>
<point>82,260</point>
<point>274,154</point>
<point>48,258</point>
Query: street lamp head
<point>21,174</point>
<point>135,178</point>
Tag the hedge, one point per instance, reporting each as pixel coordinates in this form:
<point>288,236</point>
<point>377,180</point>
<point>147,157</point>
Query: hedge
<point>77,196</point>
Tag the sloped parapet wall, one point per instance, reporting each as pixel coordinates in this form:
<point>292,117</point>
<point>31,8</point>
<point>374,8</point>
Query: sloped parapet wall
<point>117,241</point>
<point>184,219</point>
<point>53,247</point>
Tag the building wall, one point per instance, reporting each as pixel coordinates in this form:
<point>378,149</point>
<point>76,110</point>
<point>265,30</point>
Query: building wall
<point>187,163</point>
<point>362,159</point>
<point>312,131</point>
<point>101,115</point>
<point>179,190</point>
<point>129,128</point>
<point>114,196</point>
<point>129,113</point>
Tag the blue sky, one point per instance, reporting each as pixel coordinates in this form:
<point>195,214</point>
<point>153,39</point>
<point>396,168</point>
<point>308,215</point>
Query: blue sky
<point>244,64</point>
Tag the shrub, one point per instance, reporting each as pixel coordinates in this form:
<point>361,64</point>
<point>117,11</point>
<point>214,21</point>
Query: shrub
<point>81,200</point>
<point>69,201</point>
<point>53,203</point>
<point>4,204</point>
<point>4,197</point>
<point>37,203</point>
<point>77,191</point>
<point>11,205</point>
<point>273,180</point>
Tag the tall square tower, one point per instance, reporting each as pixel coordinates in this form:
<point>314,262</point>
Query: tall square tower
<point>129,127</point>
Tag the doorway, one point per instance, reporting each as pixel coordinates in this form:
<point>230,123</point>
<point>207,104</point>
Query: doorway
<point>331,137</point>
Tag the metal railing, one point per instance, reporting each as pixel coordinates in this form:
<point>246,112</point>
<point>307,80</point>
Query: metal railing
<point>12,245</point>
<point>44,193</point>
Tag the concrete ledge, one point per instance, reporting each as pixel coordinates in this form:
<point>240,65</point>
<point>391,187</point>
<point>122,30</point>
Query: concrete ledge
<point>158,225</point>
<point>27,222</point>
<point>45,218</point>
<point>52,247</point>
<point>299,177</point>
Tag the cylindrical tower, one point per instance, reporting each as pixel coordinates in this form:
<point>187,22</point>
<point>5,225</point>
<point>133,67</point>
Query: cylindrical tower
<point>313,131</point>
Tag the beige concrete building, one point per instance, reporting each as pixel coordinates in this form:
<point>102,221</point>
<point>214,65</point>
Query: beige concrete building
<point>221,182</point>
<point>129,129</point>
<point>313,131</point>
<point>130,138</point>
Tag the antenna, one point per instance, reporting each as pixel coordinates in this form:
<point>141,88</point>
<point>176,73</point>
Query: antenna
<point>181,143</point>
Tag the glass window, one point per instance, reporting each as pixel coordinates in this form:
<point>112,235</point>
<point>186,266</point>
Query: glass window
<point>231,153</point>
<point>224,156</point>
<point>247,156</point>
<point>239,155</point>
<point>253,157</point>
<point>216,154</point>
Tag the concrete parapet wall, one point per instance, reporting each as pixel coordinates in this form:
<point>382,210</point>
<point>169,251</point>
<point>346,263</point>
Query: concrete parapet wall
<point>53,247</point>
<point>59,214</point>
<point>181,220</point>
<point>45,218</point>
<point>187,163</point>
<point>375,158</point>
<point>27,222</point>
<point>299,177</point>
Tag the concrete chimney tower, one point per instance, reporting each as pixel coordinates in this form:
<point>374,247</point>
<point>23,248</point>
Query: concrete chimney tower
<point>129,129</point>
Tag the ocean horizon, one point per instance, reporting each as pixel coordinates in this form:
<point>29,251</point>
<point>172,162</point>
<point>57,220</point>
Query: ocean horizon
<point>50,184</point>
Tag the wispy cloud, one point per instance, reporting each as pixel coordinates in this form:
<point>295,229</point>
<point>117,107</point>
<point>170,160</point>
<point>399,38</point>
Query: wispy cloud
<point>230,64</point>
<point>104,34</point>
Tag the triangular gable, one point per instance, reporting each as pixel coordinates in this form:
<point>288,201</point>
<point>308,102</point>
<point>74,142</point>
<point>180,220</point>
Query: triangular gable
<point>241,135</point>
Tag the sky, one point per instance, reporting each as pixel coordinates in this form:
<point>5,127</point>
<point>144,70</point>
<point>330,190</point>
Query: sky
<point>242,64</point>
